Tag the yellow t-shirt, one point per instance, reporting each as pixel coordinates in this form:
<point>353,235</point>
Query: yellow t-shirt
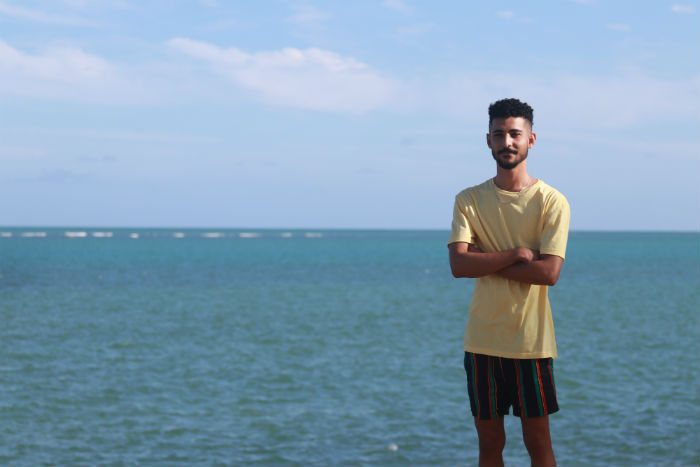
<point>508,318</point>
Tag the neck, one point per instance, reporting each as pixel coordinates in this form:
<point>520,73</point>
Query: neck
<point>515,179</point>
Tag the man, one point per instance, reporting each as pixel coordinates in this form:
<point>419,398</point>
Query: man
<point>510,233</point>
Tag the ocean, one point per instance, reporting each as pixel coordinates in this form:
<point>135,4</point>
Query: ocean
<point>159,347</point>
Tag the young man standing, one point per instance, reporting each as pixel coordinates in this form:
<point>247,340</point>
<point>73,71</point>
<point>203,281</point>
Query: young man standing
<point>510,233</point>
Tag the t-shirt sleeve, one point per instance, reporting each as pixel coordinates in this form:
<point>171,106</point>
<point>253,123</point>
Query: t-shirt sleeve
<point>461,230</point>
<point>555,231</point>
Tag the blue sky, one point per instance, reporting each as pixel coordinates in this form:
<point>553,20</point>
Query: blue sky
<point>337,114</point>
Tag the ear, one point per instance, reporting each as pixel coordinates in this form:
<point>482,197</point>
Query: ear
<point>531,140</point>
<point>488,140</point>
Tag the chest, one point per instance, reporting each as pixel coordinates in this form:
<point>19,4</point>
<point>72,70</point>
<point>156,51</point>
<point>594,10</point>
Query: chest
<point>501,224</point>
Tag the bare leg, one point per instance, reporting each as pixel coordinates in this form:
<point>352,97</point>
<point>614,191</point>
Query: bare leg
<point>538,441</point>
<point>492,440</point>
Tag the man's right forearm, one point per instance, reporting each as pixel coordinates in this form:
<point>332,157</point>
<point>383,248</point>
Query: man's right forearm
<point>467,262</point>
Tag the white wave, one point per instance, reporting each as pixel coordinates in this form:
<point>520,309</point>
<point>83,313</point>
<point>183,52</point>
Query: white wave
<point>133,235</point>
<point>286,234</point>
<point>34,234</point>
<point>102,234</point>
<point>248,234</point>
<point>5,234</point>
<point>179,235</point>
<point>313,235</point>
<point>75,234</point>
<point>212,235</point>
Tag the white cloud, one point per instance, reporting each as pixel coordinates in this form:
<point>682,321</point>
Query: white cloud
<point>683,9</point>
<point>399,6</point>
<point>619,27</point>
<point>66,72</point>
<point>40,16</point>
<point>138,136</point>
<point>506,14</point>
<point>308,14</point>
<point>510,15</point>
<point>619,100</point>
<point>312,78</point>
<point>415,30</point>
<point>121,4</point>
<point>66,64</point>
<point>61,175</point>
<point>12,152</point>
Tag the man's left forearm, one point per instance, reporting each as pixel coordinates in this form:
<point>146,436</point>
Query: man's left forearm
<point>544,271</point>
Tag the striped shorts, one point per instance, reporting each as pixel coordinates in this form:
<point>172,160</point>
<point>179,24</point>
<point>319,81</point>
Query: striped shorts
<point>496,383</point>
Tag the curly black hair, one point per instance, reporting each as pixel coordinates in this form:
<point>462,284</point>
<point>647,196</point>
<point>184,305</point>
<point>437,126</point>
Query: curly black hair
<point>510,108</point>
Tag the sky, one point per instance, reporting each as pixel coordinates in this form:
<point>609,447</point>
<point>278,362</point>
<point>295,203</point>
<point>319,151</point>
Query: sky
<point>338,114</point>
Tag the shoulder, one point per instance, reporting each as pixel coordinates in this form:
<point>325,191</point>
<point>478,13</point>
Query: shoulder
<point>552,194</point>
<point>469,194</point>
<point>553,198</point>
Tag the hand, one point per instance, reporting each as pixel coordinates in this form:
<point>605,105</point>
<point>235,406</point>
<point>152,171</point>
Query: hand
<point>525,255</point>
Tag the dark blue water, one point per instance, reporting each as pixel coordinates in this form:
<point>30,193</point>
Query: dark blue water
<point>325,348</point>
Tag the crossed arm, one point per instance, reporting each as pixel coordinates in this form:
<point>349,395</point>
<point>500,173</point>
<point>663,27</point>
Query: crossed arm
<point>519,264</point>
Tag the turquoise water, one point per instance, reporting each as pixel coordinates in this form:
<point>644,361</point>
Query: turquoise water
<point>320,348</point>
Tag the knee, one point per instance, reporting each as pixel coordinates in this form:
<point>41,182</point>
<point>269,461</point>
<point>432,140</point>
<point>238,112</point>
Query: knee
<point>492,440</point>
<point>537,443</point>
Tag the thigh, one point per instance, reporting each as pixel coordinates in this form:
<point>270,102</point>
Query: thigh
<point>485,382</point>
<point>535,394</point>
<point>490,430</point>
<point>535,427</point>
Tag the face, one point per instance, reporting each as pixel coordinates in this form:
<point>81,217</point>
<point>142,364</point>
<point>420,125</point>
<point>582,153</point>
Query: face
<point>510,139</point>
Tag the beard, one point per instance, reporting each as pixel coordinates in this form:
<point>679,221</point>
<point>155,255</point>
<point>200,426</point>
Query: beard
<point>505,164</point>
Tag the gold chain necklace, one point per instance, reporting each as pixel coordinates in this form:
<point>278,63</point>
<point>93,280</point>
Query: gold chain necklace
<point>527,185</point>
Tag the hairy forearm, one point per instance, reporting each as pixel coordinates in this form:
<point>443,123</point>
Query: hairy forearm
<point>544,271</point>
<point>481,264</point>
<point>519,264</point>
<point>468,261</point>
